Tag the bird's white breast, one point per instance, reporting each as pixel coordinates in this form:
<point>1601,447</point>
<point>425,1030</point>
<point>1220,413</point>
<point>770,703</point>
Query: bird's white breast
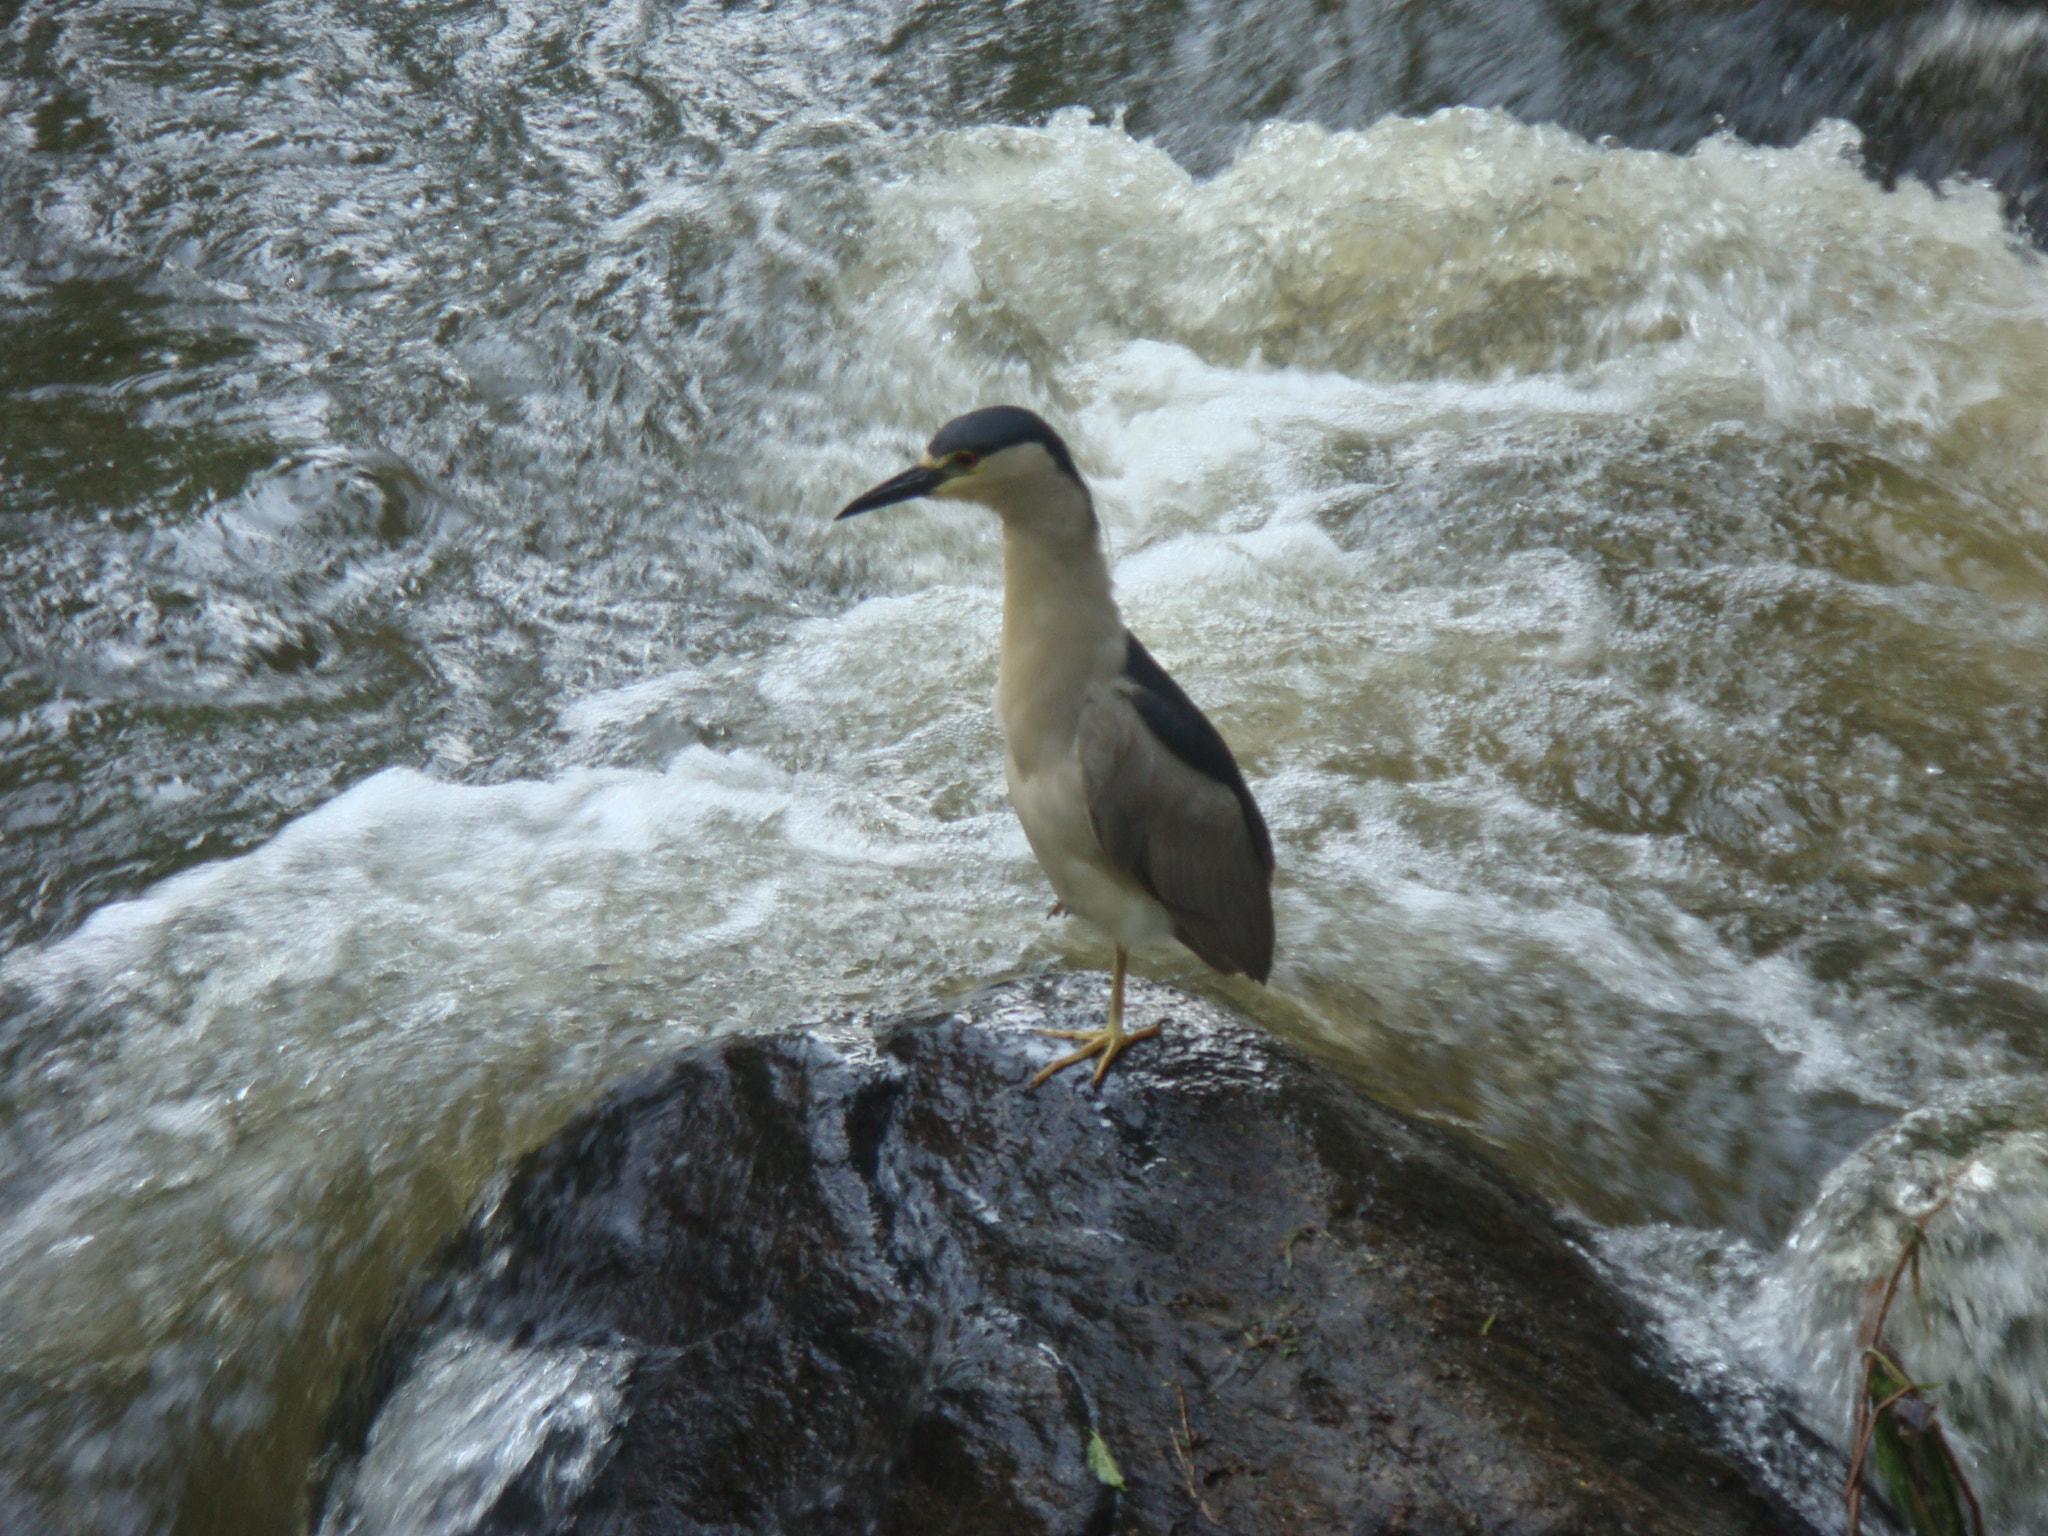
<point>1062,636</point>
<point>1052,805</point>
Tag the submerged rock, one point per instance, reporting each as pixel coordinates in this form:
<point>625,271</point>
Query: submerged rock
<point>856,1280</point>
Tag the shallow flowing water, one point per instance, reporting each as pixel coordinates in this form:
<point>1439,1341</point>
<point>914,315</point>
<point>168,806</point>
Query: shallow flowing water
<point>432,686</point>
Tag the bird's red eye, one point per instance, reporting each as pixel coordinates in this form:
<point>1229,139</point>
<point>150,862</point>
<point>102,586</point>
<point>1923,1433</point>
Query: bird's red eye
<point>967,460</point>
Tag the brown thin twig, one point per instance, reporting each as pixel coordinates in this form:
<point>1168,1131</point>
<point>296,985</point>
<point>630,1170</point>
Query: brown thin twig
<point>1182,1444</point>
<point>1870,1419</point>
<point>1868,1415</point>
<point>1976,1510</point>
<point>1866,1419</point>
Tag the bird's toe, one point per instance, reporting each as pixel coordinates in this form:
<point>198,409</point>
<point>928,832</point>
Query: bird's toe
<point>1105,1043</point>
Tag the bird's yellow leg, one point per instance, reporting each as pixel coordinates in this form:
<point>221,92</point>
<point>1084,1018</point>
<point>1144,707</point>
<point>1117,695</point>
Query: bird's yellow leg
<point>1106,1042</point>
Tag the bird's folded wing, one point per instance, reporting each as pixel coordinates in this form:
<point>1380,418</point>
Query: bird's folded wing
<point>1186,837</point>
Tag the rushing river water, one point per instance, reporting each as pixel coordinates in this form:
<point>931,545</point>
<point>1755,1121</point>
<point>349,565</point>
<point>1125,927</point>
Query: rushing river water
<point>430,686</point>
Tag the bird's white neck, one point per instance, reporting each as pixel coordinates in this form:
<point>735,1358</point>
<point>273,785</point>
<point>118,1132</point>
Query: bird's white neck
<point>1061,632</point>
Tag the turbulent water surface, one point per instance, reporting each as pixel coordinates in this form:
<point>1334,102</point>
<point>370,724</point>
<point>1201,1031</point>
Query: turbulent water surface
<point>430,686</point>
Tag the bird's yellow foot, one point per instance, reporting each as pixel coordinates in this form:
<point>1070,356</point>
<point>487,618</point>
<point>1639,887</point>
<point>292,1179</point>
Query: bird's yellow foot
<point>1106,1043</point>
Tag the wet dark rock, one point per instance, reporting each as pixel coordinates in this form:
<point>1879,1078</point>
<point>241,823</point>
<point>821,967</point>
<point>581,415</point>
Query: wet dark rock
<point>855,1280</point>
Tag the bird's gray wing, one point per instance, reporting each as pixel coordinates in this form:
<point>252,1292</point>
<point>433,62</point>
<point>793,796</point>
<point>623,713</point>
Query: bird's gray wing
<point>1171,810</point>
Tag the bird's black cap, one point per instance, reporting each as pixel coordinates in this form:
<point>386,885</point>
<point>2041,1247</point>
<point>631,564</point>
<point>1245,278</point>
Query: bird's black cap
<point>981,433</point>
<point>996,427</point>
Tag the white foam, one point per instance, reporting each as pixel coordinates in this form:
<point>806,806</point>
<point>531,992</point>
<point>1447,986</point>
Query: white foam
<point>474,1415</point>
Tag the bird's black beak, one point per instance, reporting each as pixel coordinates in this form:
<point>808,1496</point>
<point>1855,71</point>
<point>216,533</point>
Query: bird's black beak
<point>919,480</point>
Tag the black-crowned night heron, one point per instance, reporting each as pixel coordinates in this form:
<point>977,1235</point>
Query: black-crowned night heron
<point>1129,797</point>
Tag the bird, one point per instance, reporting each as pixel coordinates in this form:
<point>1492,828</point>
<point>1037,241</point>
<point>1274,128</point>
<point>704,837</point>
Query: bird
<point>1129,797</point>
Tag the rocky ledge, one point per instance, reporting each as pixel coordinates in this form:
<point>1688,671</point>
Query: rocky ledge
<point>852,1279</point>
